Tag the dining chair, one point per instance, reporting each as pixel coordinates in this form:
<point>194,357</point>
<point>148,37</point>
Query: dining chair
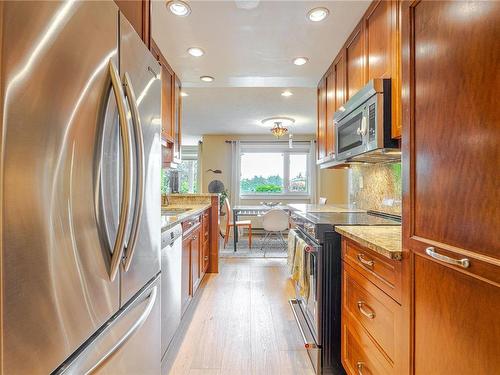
<point>322,201</point>
<point>239,224</point>
<point>275,222</point>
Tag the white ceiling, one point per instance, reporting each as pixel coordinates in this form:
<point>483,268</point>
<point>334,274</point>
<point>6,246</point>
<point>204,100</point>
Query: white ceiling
<point>250,52</point>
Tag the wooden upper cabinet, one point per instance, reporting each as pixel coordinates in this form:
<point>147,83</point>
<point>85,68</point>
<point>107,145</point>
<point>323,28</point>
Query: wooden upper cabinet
<point>381,24</point>
<point>330,110</point>
<point>450,192</point>
<point>378,26</point>
<point>177,118</point>
<point>340,74</point>
<point>321,130</point>
<point>355,61</point>
<point>167,109</point>
<point>138,13</point>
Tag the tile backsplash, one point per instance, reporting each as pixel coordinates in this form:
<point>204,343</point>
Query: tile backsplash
<point>376,187</point>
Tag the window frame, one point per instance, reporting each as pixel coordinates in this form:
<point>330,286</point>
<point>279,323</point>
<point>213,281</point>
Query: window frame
<point>301,148</point>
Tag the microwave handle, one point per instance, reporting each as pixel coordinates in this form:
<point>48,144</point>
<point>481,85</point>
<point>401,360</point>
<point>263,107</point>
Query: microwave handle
<point>364,128</point>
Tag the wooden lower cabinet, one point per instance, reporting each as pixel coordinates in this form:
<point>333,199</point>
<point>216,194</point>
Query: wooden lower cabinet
<point>456,321</point>
<point>371,317</point>
<point>195,255</point>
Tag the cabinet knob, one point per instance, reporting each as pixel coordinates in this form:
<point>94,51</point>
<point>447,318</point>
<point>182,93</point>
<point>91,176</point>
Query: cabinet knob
<point>194,238</point>
<point>206,258</point>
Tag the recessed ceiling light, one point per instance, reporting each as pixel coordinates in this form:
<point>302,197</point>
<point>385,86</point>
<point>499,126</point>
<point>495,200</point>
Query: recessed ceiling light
<point>300,60</point>
<point>286,93</point>
<point>184,93</point>
<point>318,14</point>
<point>195,51</point>
<point>179,8</point>
<point>207,78</point>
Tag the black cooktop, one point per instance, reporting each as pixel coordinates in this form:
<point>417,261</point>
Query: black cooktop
<point>348,218</point>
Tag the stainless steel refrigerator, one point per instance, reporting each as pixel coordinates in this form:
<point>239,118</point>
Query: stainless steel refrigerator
<point>80,189</point>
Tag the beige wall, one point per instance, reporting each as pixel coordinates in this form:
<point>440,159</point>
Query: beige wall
<point>333,184</point>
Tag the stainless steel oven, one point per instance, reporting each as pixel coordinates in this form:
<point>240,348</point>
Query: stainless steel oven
<point>363,125</point>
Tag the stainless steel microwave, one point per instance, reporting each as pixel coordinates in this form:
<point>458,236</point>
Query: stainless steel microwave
<point>363,125</point>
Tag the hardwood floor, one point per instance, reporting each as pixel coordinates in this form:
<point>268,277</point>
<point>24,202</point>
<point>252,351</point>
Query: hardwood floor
<point>240,323</point>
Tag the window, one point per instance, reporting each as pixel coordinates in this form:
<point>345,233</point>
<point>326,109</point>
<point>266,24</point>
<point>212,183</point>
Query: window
<point>188,170</point>
<point>274,169</point>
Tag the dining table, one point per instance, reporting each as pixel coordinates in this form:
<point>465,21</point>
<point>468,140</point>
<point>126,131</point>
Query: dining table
<point>252,210</point>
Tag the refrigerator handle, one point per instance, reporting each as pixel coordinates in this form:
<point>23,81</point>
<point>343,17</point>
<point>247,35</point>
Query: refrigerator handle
<point>89,359</point>
<point>139,196</point>
<point>126,178</point>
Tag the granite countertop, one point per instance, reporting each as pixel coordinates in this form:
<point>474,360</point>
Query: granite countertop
<point>385,240</point>
<point>316,208</point>
<point>168,221</point>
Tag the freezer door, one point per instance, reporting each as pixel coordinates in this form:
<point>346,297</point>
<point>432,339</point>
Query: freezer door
<point>128,344</point>
<point>55,86</point>
<point>141,75</point>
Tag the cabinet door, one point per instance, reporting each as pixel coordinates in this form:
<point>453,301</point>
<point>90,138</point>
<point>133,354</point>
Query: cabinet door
<point>186,290</point>
<point>167,108</point>
<point>177,108</point>
<point>138,13</point>
<point>383,52</point>
<point>195,260</point>
<point>355,61</point>
<point>330,110</point>
<point>340,74</point>
<point>450,192</point>
<point>321,131</point>
<point>378,25</point>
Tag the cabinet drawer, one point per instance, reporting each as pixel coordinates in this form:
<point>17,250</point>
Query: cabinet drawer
<point>373,309</point>
<point>360,354</point>
<point>189,225</point>
<point>382,271</point>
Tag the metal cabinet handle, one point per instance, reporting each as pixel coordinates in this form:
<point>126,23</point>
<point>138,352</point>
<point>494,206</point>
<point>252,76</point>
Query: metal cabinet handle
<point>363,126</point>
<point>366,263</point>
<point>359,366</point>
<point>369,314</point>
<point>464,263</point>
<point>195,238</point>
<point>126,177</point>
<point>206,258</point>
<point>139,194</point>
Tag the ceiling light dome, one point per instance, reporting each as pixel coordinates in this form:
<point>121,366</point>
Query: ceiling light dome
<point>207,78</point>
<point>318,14</point>
<point>300,60</point>
<point>195,51</point>
<point>179,8</point>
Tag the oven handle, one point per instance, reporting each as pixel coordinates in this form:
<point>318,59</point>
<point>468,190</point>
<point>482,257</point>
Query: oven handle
<point>308,343</point>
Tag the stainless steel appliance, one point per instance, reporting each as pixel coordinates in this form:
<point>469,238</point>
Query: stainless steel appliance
<point>80,228</point>
<point>363,126</point>
<point>318,316</point>
<point>171,279</point>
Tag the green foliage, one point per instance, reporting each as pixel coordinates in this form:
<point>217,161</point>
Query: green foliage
<point>258,184</point>
<point>268,188</point>
<point>165,182</point>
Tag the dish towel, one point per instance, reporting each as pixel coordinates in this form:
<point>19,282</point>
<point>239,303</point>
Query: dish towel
<point>299,273</point>
<point>292,237</point>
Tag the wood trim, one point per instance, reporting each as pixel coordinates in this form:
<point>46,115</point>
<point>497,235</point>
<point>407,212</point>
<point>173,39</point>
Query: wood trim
<point>146,22</point>
<point>213,266</point>
<point>407,148</point>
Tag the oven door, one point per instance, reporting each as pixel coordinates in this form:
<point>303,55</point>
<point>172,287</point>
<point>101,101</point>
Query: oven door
<point>350,133</point>
<point>306,308</point>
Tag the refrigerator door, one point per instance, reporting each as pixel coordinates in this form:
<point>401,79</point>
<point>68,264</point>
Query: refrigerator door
<point>55,87</point>
<point>128,344</point>
<point>141,75</point>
